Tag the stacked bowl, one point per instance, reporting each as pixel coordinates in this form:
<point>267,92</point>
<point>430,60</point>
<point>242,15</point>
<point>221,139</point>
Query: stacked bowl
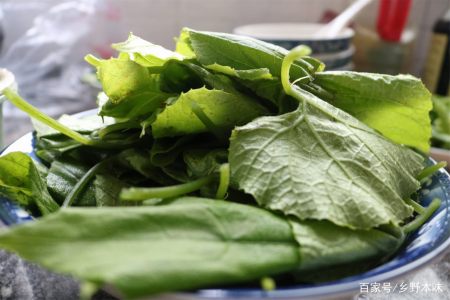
<point>336,52</point>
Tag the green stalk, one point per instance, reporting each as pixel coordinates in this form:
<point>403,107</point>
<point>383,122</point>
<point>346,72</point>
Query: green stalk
<point>423,217</point>
<point>417,207</point>
<point>92,60</point>
<point>288,60</point>
<point>428,171</point>
<point>141,194</point>
<point>81,184</point>
<point>33,112</point>
<point>198,111</point>
<point>224,181</point>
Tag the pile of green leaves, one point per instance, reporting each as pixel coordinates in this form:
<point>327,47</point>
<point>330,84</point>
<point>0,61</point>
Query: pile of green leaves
<point>225,161</point>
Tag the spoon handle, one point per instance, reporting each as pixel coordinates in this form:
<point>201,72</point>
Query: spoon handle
<point>341,21</point>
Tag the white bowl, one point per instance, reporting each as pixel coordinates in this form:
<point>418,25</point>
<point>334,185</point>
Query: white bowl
<point>289,35</point>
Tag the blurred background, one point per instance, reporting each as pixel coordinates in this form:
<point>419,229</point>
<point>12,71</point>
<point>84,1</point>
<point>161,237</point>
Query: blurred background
<point>44,42</point>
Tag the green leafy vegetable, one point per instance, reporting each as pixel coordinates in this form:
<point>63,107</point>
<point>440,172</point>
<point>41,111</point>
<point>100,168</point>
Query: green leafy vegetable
<point>319,162</point>
<point>219,242</point>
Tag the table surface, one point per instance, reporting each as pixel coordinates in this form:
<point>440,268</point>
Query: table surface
<point>20,280</point>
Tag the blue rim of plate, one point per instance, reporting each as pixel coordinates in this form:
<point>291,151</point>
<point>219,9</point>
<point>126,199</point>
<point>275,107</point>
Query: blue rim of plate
<point>421,247</point>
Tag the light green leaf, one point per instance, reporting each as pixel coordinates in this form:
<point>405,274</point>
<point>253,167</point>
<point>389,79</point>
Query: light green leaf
<point>129,89</point>
<point>318,163</point>
<point>145,53</point>
<point>397,106</point>
<point>224,110</point>
<point>141,251</point>
<point>183,46</point>
<point>20,181</point>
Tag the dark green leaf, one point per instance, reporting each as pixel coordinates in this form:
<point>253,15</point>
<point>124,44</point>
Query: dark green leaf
<point>63,175</point>
<point>141,251</point>
<point>244,53</point>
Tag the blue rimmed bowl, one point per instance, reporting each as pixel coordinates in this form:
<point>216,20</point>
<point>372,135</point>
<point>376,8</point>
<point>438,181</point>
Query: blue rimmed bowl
<point>421,248</point>
<point>289,35</point>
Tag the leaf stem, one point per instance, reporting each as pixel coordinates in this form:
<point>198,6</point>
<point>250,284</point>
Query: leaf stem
<point>92,60</point>
<point>417,207</point>
<point>33,112</point>
<point>428,171</point>
<point>288,60</point>
<point>141,194</point>
<point>81,184</point>
<point>198,111</point>
<point>224,181</point>
<point>423,217</point>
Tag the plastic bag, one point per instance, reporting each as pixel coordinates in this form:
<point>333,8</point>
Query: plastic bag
<point>45,43</point>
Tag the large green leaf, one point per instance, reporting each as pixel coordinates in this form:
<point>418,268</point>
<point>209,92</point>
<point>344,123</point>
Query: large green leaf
<point>20,181</point>
<point>397,106</point>
<point>225,110</point>
<point>244,53</point>
<point>189,244</point>
<point>319,162</point>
